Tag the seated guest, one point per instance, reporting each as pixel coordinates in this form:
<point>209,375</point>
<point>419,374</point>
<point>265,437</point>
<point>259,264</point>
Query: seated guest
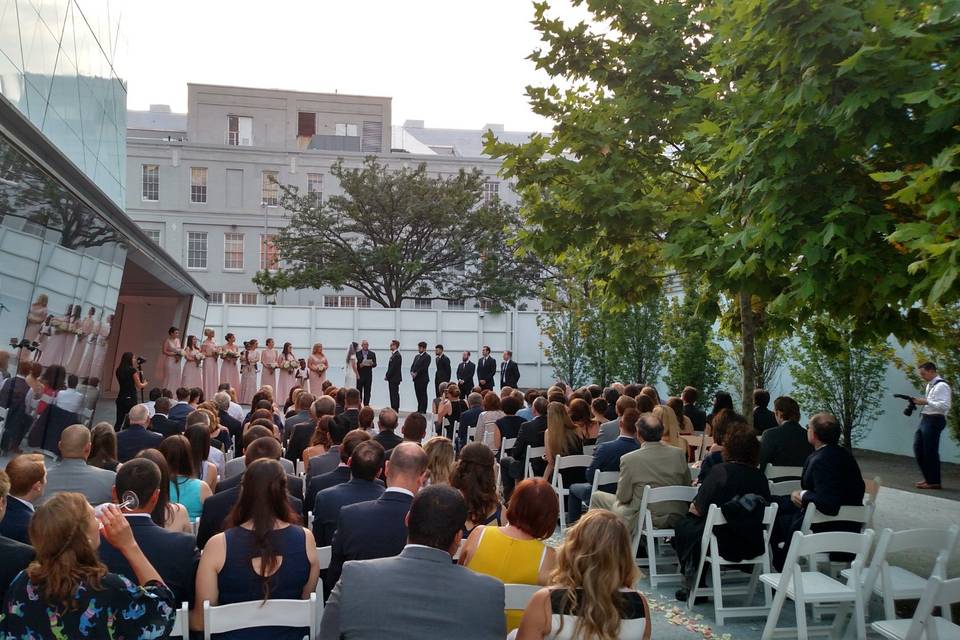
<point>339,475</point>
<point>173,555</point>
<point>304,403</point>
<point>254,432</point>
<point>531,434</point>
<point>582,417</point>
<point>363,465</point>
<point>468,418</point>
<point>28,477</point>
<point>235,410</point>
<point>785,445</point>
<point>763,418</point>
<point>440,459</point>
<point>73,473</point>
<point>611,394</point>
<point>734,479</point>
<point>68,593</point>
<point>155,394</point>
<point>722,401</point>
<point>349,418</point>
<point>387,426</point>
<point>515,553</point>
<point>377,529</point>
<point>222,402</point>
<point>161,422</point>
<point>328,461</point>
<point>320,441</point>
<point>721,424</point>
<point>199,438</point>
<point>266,447</point>
<point>562,439</point>
<point>185,488</point>
<point>14,555</point>
<point>302,431</point>
<point>220,438</point>
<point>264,554</point>
<point>136,436</point>
<point>697,416</point>
<point>654,464</point>
<point>671,427</point>
<point>606,457</point>
<point>509,425</point>
<point>103,447</point>
<point>172,516</point>
<point>686,424</point>
<point>598,407</point>
<point>487,422</point>
<point>461,603</point>
<point>475,477</point>
<point>365,420</point>
<point>449,409</point>
<point>414,429</point>
<point>182,407</point>
<point>70,399</point>
<point>831,479</point>
<point>591,592</point>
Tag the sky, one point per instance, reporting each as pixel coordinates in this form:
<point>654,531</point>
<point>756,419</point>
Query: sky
<point>451,63</point>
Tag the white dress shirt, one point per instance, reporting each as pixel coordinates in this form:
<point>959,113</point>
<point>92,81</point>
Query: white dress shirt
<point>69,400</point>
<point>235,411</point>
<point>938,396</point>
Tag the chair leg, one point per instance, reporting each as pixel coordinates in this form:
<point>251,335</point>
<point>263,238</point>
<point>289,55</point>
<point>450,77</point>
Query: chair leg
<point>652,558</point>
<point>752,587</point>
<point>717,592</point>
<point>696,583</point>
<point>563,513</point>
<point>801,607</point>
<point>860,614</point>
<point>889,611</point>
<point>774,616</point>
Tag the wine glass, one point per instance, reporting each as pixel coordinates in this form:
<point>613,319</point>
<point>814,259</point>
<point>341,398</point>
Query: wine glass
<point>128,502</point>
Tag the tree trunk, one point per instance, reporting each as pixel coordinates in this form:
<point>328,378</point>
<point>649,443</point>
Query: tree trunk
<point>748,356</point>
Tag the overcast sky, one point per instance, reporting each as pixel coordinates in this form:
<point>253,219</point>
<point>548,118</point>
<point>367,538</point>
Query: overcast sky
<point>452,63</point>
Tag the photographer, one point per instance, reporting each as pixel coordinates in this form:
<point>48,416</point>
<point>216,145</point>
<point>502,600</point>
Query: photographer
<point>933,418</point>
<point>129,382</point>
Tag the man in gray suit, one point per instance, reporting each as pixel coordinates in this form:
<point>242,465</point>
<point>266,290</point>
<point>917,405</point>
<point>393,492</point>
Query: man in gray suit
<point>655,464</point>
<point>462,604</point>
<point>610,431</point>
<point>72,472</point>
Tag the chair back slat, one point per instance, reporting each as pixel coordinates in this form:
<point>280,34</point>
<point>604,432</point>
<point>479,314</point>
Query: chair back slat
<point>516,596</point>
<point>601,478</point>
<point>324,555</point>
<point>847,513</point>
<point>252,615</point>
<point>772,472</point>
<point>784,487</point>
<point>181,623</point>
<point>671,493</point>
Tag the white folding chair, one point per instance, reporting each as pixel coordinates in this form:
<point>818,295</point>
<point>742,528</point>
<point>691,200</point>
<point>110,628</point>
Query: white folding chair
<point>471,433</point>
<point>516,596</point>
<point>871,491</point>
<point>566,462</point>
<point>695,442</point>
<point>814,587</point>
<point>651,534</point>
<point>780,472</point>
<point>310,520</point>
<point>506,444</point>
<point>710,552</point>
<point>532,454</point>
<point>601,478</point>
<point>924,624</point>
<point>181,622</point>
<point>588,449</point>
<point>324,555</point>
<point>813,516</point>
<point>783,487</point>
<point>195,525</point>
<point>252,615</point>
<point>298,468</point>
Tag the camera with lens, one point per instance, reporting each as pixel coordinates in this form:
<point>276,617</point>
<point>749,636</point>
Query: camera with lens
<point>24,344</point>
<point>911,405</point>
<point>140,361</point>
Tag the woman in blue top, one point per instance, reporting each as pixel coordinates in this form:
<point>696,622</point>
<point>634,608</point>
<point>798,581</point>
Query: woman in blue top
<point>185,488</point>
<point>263,554</point>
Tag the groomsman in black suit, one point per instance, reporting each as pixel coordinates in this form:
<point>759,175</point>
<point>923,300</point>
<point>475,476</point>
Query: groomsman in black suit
<point>394,376</point>
<point>420,372</point>
<point>465,371</point>
<point>366,363</point>
<point>443,372</point>
<point>509,371</point>
<point>486,369</point>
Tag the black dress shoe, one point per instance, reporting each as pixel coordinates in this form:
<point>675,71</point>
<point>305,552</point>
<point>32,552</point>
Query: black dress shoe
<point>683,595</point>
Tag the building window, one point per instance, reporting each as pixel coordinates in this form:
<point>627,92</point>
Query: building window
<point>231,298</point>
<point>248,298</point>
<point>363,302</point>
<point>456,304</point>
<point>153,234</point>
<point>269,258</point>
<point>239,131</point>
<point>196,249</point>
<point>306,124</point>
<point>491,190</point>
<point>269,188</point>
<point>315,188</point>
<point>151,183</point>
<point>233,251</point>
<point>349,130</point>
<point>216,298</point>
<point>348,301</point>
<point>331,301</point>
<point>198,184</point>
<point>422,303</point>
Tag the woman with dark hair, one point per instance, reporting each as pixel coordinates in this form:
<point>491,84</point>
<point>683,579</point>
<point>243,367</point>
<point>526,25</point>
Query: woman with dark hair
<point>722,423</point>
<point>192,375</point>
<point>582,417</point>
<point>129,382</point>
<point>263,554</point>
<point>449,410</point>
<point>172,516</point>
<point>53,379</point>
<point>287,365</point>
<point>475,478</point>
<point>199,437</point>
<point>722,401</point>
<point>686,424</point>
<point>66,592</point>
<point>103,447</point>
<point>185,488</point>
<point>562,439</point>
<point>172,353</point>
<point>320,441</point>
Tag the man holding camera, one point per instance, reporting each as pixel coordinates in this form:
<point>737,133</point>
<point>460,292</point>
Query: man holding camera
<point>933,418</point>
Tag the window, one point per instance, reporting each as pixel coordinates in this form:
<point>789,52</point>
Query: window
<point>456,304</point>
<point>268,252</point>
<point>231,298</point>
<point>491,190</point>
<point>348,301</point>
<point>196,249</point>
<point>248,298</point>
<point>198,184</point>
<point>216,298</point>
<point>363,302</point>
<point>269,189</point>
<point>349,130</point>
<point>151,183</point>
<point>306,124</point>
<point>422,303</point>
<point>331,301</point>
<point>153,234</point>
<point>239,131</point>
<point>315,188</point>
<point>486,305</point>
<point>233,251</point>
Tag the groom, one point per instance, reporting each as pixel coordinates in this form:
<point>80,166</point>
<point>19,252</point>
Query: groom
<point>366,363</point>
<point>394,375</point>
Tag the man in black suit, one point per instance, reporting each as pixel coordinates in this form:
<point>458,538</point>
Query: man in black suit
<point>697,416</point>
<point>266,447</point>
<point>831,479</point>
<point>350,417</point>
<point>442,375</point>
<point>387,423</point>
<point>420,373</point>
<point>531,434</point>
<point>486,369</point>
<point>786,445</point>
<point>366,363</point>
<point>509,371</point>
<point>14,555</point>
<point>13,397</point>
<point>763,418</point>
<point>363,468</point>
<point>376,529</point>
<point>326,461</point>
<point>394,376</point>
<point>28,478</point>
<point>465,371</point>
<point>468,419</point>
<point>174,555</point>
<point>303,416</point>
<point>136,437</point>
<point>302,433</point>
<point>160,422</point>
<point>339,475</point>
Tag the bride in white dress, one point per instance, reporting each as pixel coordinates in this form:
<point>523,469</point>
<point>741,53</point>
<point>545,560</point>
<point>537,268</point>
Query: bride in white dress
<point>350,378</point>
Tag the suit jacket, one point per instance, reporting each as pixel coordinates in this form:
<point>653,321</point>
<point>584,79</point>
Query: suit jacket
<point>348,420</point>
<point>294,484</point>
<point>486,369</point>
<point>374,529</point>
<point>400,585</point>
<point>465,371</point>
<point>13,393</point>
<point>393,368</point>
<point>531,434</point>
<point>76,475</point>
<point>16,522</point>
<point>234,427</point>
<point>387,439</point>
<point>443,368</point>
<point>609,431</point>
<point>763,419</point>
<point>509,374</point>
<point>658,465</point>
<point>14,558</point>
<point>421,367</point>
<point>325,462</point>
<point>217,507</point>
<point>366,373</point>
<point>166,427</point>
<point>832,479</point>
<point>467,419</point>
<point>237,465</point>
<point>290,423</point>
<point>300,437</point>
<point>606,457</point>
<point>329,501</point>
<point>316,484</point>
<point>180,411</point>
<point>174,555</point>
<point>696,415</point>
<point>785,445</point>
<point>133,440</point>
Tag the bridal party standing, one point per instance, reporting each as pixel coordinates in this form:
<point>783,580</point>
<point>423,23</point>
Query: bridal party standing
<point>288,366</point>
<point>249,365</point>
<point>192,365</point>
<point>211,373</point>
<point>317,365</point>
<point>268,359</point>
<point>229,354</point>
<point>172,354</point>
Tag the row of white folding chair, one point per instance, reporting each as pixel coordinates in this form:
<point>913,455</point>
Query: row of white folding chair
<point>651,534</point>
<point>588,449</point>
<point>939,593</point>
<point>532,454</point>
<point>506,444</point>
<point>560,463</point>
<point>181,622</point>
<point>781,472</point>
<point>253,615</point>
<point>700,442</point>
<point>324,555</point>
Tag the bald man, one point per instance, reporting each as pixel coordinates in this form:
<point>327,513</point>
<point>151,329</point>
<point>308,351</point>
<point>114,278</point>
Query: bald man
<point>72,472</point>
<point>136,437</point>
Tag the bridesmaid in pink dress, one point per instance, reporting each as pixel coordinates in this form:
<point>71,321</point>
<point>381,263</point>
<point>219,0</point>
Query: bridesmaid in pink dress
<point>228,368</point>
<point>35,319</point>
<point>57,343</point>
<point>91,346</point>
<point>211,374</point>
<point>192,375</point>
<point>100,353</point>
<point>268,358</point>
<point>317,366</point>
<point>172,353</point>
<point>249,366</point>
<point>73,340</point>
<point>287,376</point>
<point>87,327</point>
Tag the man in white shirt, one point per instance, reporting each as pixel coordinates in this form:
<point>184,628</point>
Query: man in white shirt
<point>933,418</point>
<point>235,411</point>
<point>151,406</point>
<point>70,399</point>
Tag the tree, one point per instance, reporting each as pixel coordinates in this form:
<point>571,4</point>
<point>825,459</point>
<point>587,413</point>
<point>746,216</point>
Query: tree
<point>564,328</point>
<point>769,355</point>
<point>396,235</point>
<point>635,336</point>
<point>692,355</point>
<point>836,372</point>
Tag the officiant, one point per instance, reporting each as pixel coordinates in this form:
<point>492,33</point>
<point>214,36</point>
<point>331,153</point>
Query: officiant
<point>366,363</point>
